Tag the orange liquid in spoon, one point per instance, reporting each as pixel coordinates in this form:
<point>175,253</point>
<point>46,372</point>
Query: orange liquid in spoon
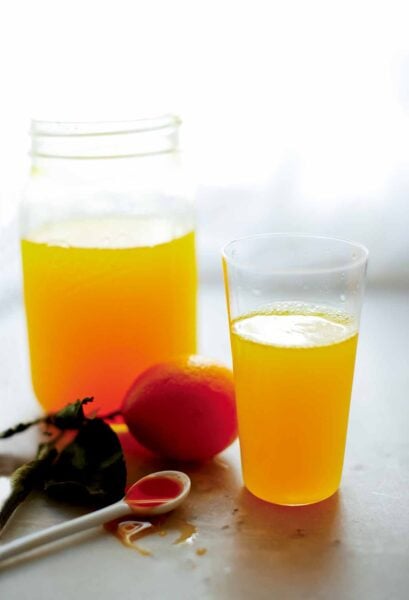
<point>153,491</point>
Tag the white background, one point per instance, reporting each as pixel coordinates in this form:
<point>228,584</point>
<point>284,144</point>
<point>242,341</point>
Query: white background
<point>296,113</point>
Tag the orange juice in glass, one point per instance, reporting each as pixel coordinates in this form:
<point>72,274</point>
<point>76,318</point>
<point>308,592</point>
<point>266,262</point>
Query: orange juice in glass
<point>108,255</point>
<point>294,304</point>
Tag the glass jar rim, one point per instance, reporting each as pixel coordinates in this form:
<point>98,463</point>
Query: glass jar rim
<point>44,128</point>
<point>358,263</point>
<point>105,139</point>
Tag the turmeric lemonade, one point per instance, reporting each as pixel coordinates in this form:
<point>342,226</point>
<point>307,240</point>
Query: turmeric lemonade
<point>104,300</point>
<point>293,369</point>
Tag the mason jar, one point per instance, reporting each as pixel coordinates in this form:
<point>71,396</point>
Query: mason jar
<point>108,254</point>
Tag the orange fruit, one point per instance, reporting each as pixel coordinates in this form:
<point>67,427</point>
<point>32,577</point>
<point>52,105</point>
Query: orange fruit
<point>183,409</point>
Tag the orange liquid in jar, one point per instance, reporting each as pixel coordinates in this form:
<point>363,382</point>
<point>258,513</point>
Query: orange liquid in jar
<point>104,300</point>
<point>293,370</point>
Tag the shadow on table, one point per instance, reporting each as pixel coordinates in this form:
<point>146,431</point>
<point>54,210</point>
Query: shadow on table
<point>314,523</point>
<point>283,549</point>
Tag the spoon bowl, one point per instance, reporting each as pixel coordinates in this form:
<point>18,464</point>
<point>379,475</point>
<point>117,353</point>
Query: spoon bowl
<point>158,493</point>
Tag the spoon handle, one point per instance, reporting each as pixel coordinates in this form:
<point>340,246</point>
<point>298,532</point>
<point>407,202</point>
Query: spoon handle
<point>56,532</point>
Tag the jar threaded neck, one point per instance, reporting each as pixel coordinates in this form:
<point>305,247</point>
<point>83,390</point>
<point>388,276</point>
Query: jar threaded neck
<point>98,140</point>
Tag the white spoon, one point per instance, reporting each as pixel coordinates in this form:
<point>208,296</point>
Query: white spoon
<point>154,494</point>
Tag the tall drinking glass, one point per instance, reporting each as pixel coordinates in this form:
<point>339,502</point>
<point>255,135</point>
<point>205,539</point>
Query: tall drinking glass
<point>108,253</point>
<point>294,304</point>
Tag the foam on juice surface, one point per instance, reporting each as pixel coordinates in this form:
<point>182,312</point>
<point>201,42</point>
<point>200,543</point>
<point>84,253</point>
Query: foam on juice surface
<point>112,232</point>
<point>295,325</point>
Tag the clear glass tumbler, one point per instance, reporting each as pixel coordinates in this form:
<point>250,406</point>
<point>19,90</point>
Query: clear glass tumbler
<point>108,255</point>
<point>294,304</point>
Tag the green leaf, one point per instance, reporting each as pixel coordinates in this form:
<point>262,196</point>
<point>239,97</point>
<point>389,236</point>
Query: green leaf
<point>91,469</point>
<point>71,416</point>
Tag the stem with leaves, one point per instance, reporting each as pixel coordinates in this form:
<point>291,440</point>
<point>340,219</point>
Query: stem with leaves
<point>89,468</point>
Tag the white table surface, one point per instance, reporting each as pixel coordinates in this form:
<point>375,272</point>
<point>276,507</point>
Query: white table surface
<point>353,546</point>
